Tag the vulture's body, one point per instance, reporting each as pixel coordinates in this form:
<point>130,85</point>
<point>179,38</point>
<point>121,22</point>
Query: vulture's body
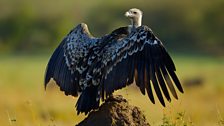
<point>96,67</point>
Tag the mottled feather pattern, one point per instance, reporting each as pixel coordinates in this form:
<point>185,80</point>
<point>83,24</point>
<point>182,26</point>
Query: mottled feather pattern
<point>76,48</point>
<point>97,67</point>
<point>115,52</point>
<point>118,50</point>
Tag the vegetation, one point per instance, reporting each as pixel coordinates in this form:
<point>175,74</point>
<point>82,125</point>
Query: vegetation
<point>179,120</point>
<point>24,101</point>
<point>37,26</point>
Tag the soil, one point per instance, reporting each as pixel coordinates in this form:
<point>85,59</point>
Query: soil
<point>115,111</point>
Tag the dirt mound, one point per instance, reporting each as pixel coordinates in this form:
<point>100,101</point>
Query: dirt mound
<point>116,111</point>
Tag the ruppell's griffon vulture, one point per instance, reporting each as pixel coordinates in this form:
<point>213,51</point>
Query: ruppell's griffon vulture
<point>96,67</point>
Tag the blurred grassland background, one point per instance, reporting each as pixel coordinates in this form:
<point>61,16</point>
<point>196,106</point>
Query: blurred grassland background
<point>30,30</point>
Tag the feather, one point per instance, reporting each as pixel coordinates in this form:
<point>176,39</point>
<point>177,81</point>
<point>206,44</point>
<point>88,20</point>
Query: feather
<point>150,60</point>
<point>140,76</point>
<point>51,65</point>
<point>148,85</point>
<point>97,67</point>
<point>176,80</point>
<point>154,79</point>
<point>169,82</point>
<point>162,83</point>
<point>131,69</point>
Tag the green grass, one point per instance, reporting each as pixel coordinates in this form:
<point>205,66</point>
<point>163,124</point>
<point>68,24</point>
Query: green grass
<point>23,100</point>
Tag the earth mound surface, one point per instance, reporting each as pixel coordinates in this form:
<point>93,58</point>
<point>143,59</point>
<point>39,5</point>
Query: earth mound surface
<point>115,111</point>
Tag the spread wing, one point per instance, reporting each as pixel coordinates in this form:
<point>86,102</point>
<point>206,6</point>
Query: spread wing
<point>72,58</point>
<point>140,56</point>
<point>64,65</point>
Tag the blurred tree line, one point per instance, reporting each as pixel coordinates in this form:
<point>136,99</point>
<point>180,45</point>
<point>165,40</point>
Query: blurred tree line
<point>187,26</point>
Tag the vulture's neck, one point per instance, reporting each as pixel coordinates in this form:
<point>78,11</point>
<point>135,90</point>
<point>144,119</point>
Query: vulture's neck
<point>135,23</point>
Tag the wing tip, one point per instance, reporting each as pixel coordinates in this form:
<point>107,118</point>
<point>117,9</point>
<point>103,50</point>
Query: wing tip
<point>163,103</point>
<point>181,89</point>
<point>46,81</point>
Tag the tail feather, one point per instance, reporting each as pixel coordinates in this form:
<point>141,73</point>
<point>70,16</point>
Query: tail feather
<point>88,100</point>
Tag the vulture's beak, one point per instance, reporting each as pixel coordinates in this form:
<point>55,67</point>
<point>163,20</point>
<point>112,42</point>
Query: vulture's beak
<point>127,14</point>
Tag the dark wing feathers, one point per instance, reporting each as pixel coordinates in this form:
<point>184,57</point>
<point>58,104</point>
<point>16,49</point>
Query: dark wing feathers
<point>148,84</point>
<point>58,70</point>
<point>158,61</point>
<point>155,84</point>
<point>62,64</point>
<point>99,66</point>
<point>140,55</point>
<point>51,65</point>
<point>117,78</point>
<point>140,67</point>
<point>162,83</point>
<point>71,60</point>
<point>175,79</point>
<point>131,71</point>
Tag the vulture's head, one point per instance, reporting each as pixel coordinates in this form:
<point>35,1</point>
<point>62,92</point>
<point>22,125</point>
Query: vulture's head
<point>135,15</point>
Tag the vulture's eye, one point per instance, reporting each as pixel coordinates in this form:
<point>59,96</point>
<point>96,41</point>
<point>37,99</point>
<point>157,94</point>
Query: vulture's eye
<point>135,12</point>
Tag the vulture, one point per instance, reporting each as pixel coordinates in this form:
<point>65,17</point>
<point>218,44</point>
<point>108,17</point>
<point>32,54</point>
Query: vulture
<point>93,68</point>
